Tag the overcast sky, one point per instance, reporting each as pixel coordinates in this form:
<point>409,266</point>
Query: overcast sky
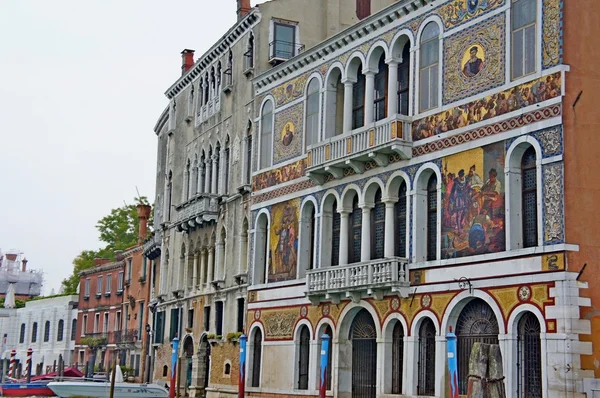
<point>81,86</point>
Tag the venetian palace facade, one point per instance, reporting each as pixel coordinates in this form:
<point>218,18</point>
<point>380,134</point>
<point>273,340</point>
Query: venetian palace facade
<point>427,169</point>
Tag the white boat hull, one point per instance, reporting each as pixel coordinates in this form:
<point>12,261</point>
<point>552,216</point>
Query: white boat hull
<point>66,389</point>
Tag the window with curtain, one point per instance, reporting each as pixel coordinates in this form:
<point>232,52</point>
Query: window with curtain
<point>377,227</point>
<point>429,64</point>
<point>312,113</point>
<point>529,197</point>
<point>335,236</point>
<point>358,100</point>
<point>355,234</point>
<point>266,134</point>
<point>523,15</point>
<point>400,210</point>
<point>381,83</point>
<point>432,218</point>
<point>403,80</point>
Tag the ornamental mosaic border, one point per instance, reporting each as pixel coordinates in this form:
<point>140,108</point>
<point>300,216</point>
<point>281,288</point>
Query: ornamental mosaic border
<point>460,16</point>
<point>486,131</point>
<point>552,33</point>
<point>553,210</point>
<point>551,141</point>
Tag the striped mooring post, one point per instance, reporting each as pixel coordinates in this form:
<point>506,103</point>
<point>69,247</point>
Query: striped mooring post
<point>28,364</point>
<point>11,367</point>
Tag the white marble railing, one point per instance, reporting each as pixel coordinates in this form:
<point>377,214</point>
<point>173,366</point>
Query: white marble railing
<point>386,272</point>
<point>207,110</point>
<point>361,140</point>
<point>197,207</point>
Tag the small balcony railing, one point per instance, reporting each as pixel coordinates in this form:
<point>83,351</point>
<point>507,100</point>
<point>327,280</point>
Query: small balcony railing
<point>373,278</point>
<point>369,143</point>
<point>126,336</point>
<point>208,109</point>
<point>281,50</point>
<point>196,211</point>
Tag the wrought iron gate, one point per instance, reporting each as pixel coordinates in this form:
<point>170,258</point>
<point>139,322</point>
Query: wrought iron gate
<point>256,355</point>
<point>397,358</point>
<point>476,323</point>
<point>529,357</point>
<point>303,362</point>
<point>426,364</point>
<point>364,356</point>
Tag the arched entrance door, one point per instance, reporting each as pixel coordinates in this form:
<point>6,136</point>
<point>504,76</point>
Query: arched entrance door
<point>204,365</point>
<point>364,355</point>
<point>476,323</point>
<point>529,357</point>
<point>188,349</point>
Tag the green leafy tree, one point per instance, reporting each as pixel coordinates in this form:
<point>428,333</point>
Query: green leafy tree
<point>118,230</point>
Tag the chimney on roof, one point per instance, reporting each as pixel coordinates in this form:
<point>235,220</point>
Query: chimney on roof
<point>11,257</point>
<point>243,8</point>
<point>187,60</point>
<point>24,265</point>
<point>143,212</point>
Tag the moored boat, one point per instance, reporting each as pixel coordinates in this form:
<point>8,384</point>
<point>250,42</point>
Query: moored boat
<point>36,389</point>
<point>67,389</point>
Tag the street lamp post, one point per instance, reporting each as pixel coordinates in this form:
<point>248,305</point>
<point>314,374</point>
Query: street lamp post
<point>148,354</point>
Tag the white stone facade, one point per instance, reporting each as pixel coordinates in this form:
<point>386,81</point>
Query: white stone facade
<point>58,315</point>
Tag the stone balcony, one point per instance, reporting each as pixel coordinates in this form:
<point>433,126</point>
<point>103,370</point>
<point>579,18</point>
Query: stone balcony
<point>207,110</point>
<point>152,246</point>
<point>360,148</point>
<point>374,278</point>
<point>197,211</point>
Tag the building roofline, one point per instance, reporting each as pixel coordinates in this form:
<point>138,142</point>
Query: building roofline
<point>162,120</point>
<point>343,39</point>
<point>217,49</point>
<point>102,268</point>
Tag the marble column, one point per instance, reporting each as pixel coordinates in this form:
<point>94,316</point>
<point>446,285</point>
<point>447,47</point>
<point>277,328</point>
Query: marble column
<point>213,187</point>
<point>348,91</point>
<point>207,176</point>
<point>365,239</point>
<point>220,257</point>
<point>200,188</point>
<point>211,264</point>
<point>195,272</point>
<point>202,268</point>
<point>369,94</point>
<point>388,248</point>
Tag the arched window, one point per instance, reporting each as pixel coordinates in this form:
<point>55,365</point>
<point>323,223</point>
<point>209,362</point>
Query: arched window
<point>432,218</point>
<point>212,82</point>
<point>335,237</point>
<point>206,89</point>
<point>256,358</point>
<point>400,210</point>
<point>60,331</point>
<point>529,198</point>
<point>303,358</point>
<point>355,235</point>
<point>47,331</point>
<point>397,358</point>
<point>529,357</point>
<point>307,239</point>
<point>169,198</point>
<point>34,332</point>
<point>249,54</point>
<point>524,16</point>
<point>377,227</point>
<point>227,369</point>
<point>329,332</point>
<point>363,8</point>
<point>429,61</point>
<point>226,161</point>
<point>219,73</point>
<point>186,181</point>
<point>381,84</point>
<point>334,101</point>
<point>200,93</point>
<point>404,80</point>
<point>266,134</point>
<point>358,100</point>
<point>217,169</point>
<point>165,371</point>
<point>249,154</point>
<point>426,358</point>
<point>73,328</point>
<point>22,334</point>
<point>261,256</point>
<point>312,113</point>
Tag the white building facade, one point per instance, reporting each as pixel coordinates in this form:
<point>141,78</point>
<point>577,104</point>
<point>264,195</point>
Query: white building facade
<point>47,326</point>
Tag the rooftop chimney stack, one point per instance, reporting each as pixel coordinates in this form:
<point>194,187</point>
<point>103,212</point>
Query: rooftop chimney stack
<point>243,8</point>
<point>187,60</point>
<point>24,265</point>
<point>143,212</point>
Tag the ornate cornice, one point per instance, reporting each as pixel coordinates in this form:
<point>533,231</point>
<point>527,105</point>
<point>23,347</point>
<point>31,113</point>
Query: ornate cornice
<point>218,49</point>
<point>341,41</point>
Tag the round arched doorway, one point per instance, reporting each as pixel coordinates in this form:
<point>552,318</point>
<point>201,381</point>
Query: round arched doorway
<point>476,323</point>
<point>188,351</point>
<point>203,365</point>
<point>364,355</point>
